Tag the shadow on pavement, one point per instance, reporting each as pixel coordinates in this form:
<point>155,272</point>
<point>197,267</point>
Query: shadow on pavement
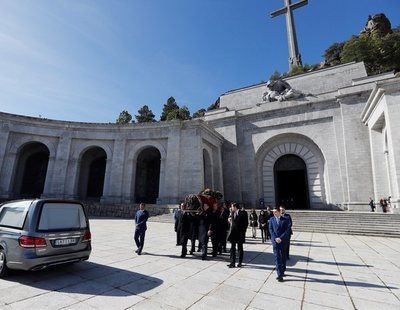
<point>87,278</point>
<point>290,277</point>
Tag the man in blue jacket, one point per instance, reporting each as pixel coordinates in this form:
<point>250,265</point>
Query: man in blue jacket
<point>141,217</point>
<point>279,228</point>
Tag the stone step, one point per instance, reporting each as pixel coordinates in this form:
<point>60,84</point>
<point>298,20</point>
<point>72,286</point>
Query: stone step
<point>352,223</point>
<point>337,222</point>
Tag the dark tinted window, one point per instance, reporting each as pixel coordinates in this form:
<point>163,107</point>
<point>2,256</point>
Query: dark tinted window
<point>14,214</point>
<point>62,216</point>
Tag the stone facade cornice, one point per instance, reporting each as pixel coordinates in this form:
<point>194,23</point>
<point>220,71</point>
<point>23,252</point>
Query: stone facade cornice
<point>37,121</point>
<point>280,108</point>
<point>381,88</point>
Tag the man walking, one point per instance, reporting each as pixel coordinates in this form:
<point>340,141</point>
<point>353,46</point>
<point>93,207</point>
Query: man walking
<point>287,245</point>
<point>372,204</point>
<point>237,234</point>
<point>177,215</point>
<point>184,229</point>
<point>279,228</point>
<point>141,217</point>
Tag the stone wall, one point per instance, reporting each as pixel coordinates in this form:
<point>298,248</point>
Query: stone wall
<point>96,209</point>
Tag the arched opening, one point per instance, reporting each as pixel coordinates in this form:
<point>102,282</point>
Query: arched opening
<point>207,170</point>
<point>92,173</point>
<point>31,171</point>
<point>291,186</point>
<point>147,178</point>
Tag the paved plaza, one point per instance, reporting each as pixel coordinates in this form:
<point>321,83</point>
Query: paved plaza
<point>325,271</point>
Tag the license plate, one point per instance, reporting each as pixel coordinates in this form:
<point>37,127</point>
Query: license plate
<point>64,242</point>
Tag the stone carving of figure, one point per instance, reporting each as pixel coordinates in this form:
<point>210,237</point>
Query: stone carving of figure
<point>280,90</point>
<point>378,24</point>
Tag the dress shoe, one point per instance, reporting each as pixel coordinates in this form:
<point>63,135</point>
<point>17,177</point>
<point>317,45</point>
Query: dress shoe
<point>191,252</point>
<point>137,251</point>
<point>183,255</point>
<point>231,265</point>
<point>240,265</point>
<point>280,279</point>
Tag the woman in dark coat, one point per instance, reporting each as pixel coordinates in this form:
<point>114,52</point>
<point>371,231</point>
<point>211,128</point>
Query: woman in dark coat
<point>263,222</point>
<point>253,222</point>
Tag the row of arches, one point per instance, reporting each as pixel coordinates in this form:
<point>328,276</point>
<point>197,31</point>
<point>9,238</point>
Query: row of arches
<point>33,160</point>
<point>31,171</point>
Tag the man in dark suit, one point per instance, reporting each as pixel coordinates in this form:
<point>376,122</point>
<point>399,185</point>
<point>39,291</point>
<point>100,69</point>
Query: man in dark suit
<point>279,228</point>
<point>184,228</point>
<point>141,217</point>
<point>287,215</point>
<point>237,234</point>
<point>204,229</point>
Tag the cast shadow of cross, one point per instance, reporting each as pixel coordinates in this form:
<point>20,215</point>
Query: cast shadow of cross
<point>87,278</point>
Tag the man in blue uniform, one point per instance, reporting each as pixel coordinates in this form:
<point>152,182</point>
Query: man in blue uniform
<point>141,217</point>
<point>279,228</point>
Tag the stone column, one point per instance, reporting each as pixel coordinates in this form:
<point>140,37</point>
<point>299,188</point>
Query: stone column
<point>72,179</point>
<point>116,172</point>
<point>58,174</point>
<point>169,184</point>
<point>107,180</point>
<point>47,193</point>
<point>162,193</point>
<point>393,139</point>
<point>5,168</point>
<point>128,183</point>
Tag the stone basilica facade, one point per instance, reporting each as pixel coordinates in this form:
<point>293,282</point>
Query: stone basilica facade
<point>332,149</point>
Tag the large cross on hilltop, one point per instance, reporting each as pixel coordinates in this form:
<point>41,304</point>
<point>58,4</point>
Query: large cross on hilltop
<point>294,54</point>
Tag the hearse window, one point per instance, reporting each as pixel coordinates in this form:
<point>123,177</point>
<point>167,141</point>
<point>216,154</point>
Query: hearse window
<point>62,216</point>
<point>13,214</point>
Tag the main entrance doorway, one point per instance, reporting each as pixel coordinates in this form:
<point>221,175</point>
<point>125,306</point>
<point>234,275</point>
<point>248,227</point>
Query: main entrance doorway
<point>291,186</point>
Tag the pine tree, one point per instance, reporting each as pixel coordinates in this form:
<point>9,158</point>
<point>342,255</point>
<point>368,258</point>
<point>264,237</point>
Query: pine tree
<point>199,113</point>
<point>145,115</point>
<point>170,108</point>
<point>124,117</point>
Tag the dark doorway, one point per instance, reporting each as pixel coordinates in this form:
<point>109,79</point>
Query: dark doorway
<point>92,174</point>
<point>291,186</point>
<point>31,170</point>
<point>147,175</point>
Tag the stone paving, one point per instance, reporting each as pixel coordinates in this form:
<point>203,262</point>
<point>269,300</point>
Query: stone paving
<point>326,271</point>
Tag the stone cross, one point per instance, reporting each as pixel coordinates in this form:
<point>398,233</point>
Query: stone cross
<point>294,54</point>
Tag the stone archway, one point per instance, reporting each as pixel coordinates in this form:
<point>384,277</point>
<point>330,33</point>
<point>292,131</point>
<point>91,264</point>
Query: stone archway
<point>31,170</point>
<point>306,150</point>
<point>291,185</point>
<point>147,179</point>
<point>92,173</point>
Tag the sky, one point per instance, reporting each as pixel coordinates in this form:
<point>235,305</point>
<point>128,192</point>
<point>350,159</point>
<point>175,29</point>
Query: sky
<point>88,60</point>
